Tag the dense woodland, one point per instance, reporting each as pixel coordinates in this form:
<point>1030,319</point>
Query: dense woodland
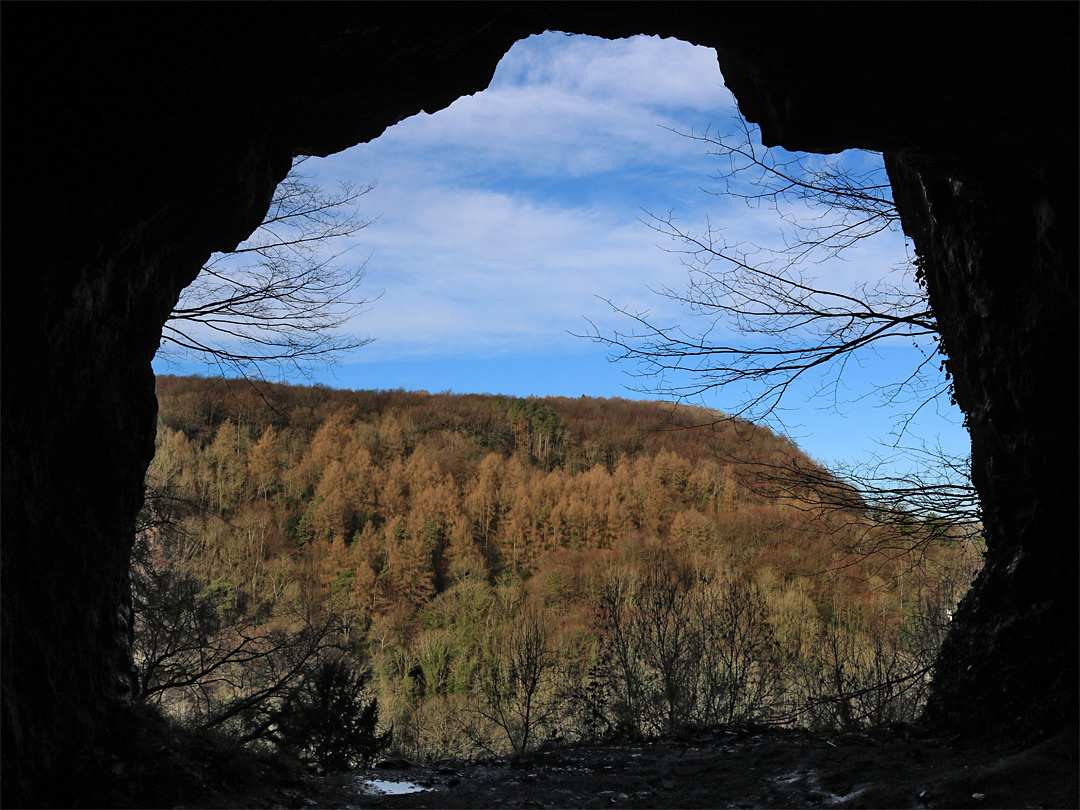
<point>488,575</point>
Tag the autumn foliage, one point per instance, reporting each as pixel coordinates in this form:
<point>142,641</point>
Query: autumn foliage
<point>524,571</point>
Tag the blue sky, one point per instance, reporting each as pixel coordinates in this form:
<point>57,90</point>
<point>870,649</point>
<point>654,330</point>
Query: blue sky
<point>502,218</point>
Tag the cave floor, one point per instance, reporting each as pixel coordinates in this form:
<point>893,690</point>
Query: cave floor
<point>727,768</point>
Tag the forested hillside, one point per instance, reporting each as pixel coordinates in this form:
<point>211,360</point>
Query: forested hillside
<point>501,573</point>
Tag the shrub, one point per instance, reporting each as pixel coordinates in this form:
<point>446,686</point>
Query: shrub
<point>327,722</point>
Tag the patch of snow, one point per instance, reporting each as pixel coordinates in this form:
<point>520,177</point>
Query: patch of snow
<point>387,787</point>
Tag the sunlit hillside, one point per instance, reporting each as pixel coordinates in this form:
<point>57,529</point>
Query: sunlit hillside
<point>517,572</point>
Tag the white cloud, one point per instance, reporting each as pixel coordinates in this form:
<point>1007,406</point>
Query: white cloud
<point>576,106</point>
<point>641,71</point>
<point>468,268</point>
<point>504,215</point>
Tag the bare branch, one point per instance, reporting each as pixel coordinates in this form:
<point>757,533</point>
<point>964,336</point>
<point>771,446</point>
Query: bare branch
<point>759,322</point>
<point>287,307</point>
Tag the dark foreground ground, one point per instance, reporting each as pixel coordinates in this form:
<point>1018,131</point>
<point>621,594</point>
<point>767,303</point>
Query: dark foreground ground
<point>730,768</point>
<point>151,763</point>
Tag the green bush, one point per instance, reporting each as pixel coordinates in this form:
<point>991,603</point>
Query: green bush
<point>327,722</point>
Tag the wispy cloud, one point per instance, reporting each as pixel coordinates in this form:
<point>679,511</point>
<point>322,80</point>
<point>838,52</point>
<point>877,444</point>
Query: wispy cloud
<point>483,269</point>
<point>504,216</point>
<point>576,106</point>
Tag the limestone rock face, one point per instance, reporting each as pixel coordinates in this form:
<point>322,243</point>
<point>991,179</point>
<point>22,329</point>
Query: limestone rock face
<point>139,139</point>
<point>997,238</point>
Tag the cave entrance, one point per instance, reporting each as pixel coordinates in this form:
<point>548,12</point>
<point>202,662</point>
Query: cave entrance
<point>136,227</point>
<point>501,218</point>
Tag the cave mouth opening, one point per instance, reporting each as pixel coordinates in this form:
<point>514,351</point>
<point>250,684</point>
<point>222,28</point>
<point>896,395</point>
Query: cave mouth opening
<point>484,200</point>
<point>103,94</point>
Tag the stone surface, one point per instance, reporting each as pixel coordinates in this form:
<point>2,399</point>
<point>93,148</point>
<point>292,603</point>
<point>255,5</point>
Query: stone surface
<point>139,139</point>
<point>998,243</point>
<point>733,767</point>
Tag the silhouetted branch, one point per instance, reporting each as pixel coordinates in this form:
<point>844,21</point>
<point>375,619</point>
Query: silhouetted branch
<point>286,307</point>
<point>762,322</point>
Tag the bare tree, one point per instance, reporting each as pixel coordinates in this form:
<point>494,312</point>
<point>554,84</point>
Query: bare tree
<point>740,671</point>
<point>199,655</point>
<point>668,645</point>
<point>281,298</point>
<point>623,693</point>
<point>679,647</point>
<point>768,322</point>
<point>516,680</point>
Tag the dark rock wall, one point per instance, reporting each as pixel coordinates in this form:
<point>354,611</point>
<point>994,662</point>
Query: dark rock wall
<point>997,236</point>
<point>139,139</point>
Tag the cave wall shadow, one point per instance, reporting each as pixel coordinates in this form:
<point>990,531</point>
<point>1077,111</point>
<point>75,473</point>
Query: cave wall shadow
<point>140,140</point>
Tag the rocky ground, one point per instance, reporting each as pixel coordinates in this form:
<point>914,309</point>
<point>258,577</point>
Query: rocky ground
<point>155,764</point>
<point>725,768</point>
